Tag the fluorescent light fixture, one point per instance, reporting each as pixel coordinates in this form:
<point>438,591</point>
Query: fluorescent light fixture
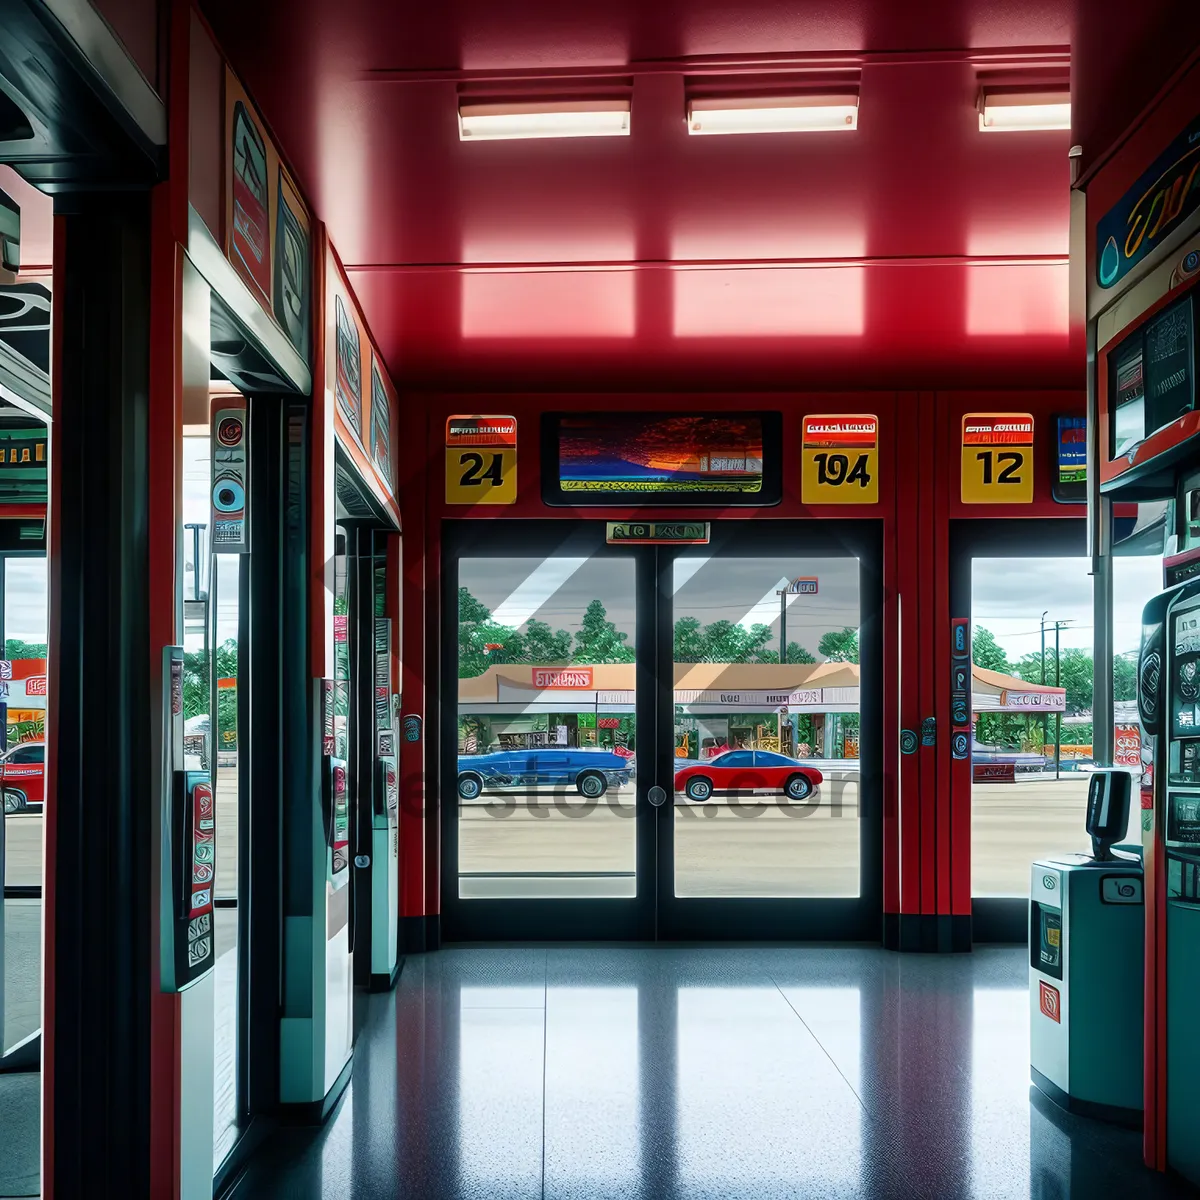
<point>487,122</point>
<point>1010,112</point>
<point>772,114</point>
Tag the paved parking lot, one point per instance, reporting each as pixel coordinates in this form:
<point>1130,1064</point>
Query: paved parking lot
<point>753,848</point>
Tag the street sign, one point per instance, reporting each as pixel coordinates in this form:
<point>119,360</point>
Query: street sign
<point>802,585</point>
<point>657,533</point>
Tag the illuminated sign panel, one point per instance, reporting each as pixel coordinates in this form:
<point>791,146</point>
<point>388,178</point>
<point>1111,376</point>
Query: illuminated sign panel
<point>1161,200</point>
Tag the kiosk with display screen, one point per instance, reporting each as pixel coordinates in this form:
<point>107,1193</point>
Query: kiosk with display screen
<point>1086,948</point>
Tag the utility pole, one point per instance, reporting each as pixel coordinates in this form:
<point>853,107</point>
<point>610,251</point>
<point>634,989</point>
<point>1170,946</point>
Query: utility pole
<point>1045,727</point>
<point>1057,714</point>
<point>783,627</point>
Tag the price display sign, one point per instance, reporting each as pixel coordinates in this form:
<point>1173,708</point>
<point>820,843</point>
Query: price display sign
<point>481,460</point>
<point>840,460</point>
<point>997,458</point>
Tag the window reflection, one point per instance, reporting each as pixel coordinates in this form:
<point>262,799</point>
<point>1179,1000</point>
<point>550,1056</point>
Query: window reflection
<point>592,1081</point>
<point>745,1061</point>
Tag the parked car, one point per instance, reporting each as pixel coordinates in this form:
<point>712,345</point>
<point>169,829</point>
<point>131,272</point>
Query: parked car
<point>1001,756</point>
<point>592,772</point>
<point>23,775</point>
<point>748,770</point>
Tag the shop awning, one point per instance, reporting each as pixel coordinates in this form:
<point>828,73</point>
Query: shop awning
<point>993,691</point>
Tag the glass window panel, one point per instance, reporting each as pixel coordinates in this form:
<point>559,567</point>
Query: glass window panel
<point>546,729</point>
<point>775,829</point>
<point>1025,805</point>
<point>25,623</point>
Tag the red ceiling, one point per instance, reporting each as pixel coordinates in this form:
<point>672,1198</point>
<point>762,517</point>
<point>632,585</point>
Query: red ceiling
<point>778,261</point>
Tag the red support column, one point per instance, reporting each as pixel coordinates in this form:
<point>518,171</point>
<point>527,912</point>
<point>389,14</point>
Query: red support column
<point>416,605</point>
<point>433,783</point>
<point>909,603</point>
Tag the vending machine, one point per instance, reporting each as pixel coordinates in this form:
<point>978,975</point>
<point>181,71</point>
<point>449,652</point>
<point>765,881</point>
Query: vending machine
<point>1169,696</point>
<point>1086,951</point>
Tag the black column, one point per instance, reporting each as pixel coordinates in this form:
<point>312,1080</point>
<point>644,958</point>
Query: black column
<point>102,869</point>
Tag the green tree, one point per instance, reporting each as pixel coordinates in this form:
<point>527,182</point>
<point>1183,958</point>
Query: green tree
<point>544,646</point>
<point>470,609</point>
<point>986,652</point>
<point>1074,675</point>
<point>839,645</point>
<point>199,680</point>
<point>689,640</point>
<point>1125,676</point>
<point>725,642</point>
<point>16,648</point>
<point>484,642</point>
<point>599,640</point>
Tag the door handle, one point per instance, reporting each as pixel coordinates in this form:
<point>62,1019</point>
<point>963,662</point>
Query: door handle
<point>657,796</point>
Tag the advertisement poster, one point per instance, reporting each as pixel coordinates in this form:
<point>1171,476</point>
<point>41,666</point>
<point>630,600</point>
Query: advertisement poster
<point>365,405</point>
<point>267,226</point>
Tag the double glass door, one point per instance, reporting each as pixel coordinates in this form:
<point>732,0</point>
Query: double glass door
<point>661,740</point>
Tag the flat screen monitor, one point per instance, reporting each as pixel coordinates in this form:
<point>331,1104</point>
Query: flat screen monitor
<point>1152,377</point>
<point>1128,403</point>
<point>662,459</point>
<point>1170,373</point>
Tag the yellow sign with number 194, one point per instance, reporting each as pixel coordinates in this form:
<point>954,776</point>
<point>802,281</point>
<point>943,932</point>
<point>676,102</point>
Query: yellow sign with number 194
<point>840,460</point>
<point>997,458</point>
<point>481,460</point>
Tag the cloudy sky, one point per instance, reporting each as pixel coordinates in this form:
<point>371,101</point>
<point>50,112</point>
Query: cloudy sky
<point>741,590</point>
<point>1009,596</point>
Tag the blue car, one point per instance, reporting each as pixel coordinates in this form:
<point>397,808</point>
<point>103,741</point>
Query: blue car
<point>591,771</point>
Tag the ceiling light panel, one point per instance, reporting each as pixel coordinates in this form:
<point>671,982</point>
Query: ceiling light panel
<point>488,122</point>
<point>1015,112</point>
<point>772,114</point>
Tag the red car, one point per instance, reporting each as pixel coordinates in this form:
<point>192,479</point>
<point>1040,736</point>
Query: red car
<point>23,774</point>
<point>748,771</point>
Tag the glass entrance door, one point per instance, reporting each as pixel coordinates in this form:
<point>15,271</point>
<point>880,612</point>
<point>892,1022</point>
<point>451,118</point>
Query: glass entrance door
<point>631,750</point>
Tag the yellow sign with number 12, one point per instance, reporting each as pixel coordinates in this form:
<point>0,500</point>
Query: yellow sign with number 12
<point>481,460</point>
<point>997,458</point>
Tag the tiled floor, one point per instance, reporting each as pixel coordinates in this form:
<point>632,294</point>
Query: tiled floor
<point>21,961</point>
<point>700,1073</point>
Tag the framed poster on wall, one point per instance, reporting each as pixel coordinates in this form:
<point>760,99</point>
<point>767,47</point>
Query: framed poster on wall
<point>267,227</point>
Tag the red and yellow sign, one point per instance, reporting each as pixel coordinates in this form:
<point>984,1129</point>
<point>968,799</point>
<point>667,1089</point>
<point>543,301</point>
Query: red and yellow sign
<point>840,460</point>
<point>997,458</point>
<point>481,460</point>
<point>562,677</point>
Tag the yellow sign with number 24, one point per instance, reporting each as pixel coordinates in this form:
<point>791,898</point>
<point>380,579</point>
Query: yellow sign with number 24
<point>481,460</point>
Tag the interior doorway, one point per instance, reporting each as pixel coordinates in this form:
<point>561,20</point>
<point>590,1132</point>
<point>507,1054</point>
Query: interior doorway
<point>631,749</point>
